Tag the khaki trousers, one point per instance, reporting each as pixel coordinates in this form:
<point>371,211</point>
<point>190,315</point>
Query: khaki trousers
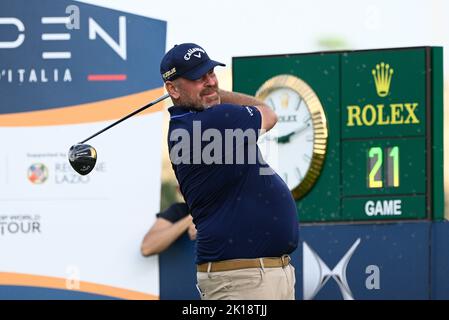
<point>248,284</point>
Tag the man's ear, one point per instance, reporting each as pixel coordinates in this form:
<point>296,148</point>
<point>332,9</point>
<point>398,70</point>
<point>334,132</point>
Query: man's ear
<point>172,90</point>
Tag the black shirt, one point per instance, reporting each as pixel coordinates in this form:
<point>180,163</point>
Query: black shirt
<point>175,212</point>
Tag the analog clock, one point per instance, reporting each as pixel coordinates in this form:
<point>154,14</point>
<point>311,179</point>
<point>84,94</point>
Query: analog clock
<point>296,146</point>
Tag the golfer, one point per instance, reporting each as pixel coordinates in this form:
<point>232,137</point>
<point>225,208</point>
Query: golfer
<point>246,218</point>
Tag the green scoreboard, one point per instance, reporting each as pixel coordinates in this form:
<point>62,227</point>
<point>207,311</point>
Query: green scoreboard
<point>359,133</point>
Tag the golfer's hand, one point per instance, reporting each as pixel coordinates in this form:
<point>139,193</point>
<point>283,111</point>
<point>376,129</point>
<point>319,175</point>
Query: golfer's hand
<point>192,231</point>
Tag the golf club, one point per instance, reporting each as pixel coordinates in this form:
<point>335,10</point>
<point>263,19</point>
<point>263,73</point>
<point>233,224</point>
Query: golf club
<point>82,157</point>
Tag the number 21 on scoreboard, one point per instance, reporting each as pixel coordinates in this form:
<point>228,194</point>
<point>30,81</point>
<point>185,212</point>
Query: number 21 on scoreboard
<point>376,167</point>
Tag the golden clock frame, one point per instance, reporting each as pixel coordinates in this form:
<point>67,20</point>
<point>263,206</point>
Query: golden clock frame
<point>318,120</point>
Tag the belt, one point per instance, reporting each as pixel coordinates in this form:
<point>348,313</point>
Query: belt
<point>235,264</point>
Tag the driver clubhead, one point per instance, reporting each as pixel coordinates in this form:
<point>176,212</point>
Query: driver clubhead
<point>82,158</point>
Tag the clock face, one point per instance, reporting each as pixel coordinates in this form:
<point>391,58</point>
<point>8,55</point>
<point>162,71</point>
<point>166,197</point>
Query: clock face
<point>292,136</point>
<point>296,146</point>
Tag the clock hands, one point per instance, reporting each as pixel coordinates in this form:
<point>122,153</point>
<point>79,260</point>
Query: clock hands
<point>286,138</point>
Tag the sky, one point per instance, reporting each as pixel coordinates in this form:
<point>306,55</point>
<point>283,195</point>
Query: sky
<point>262,27</point>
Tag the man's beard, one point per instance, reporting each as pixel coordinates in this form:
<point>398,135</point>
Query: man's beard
<point>192,106</point>
<point>199,106</point>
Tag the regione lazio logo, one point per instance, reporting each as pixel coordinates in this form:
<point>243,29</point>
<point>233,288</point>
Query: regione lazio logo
<point>382,75</point>
<point>316,272</point>
<point>37,173</point>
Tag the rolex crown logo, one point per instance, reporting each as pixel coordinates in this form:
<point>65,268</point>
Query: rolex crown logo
<point>382,78</point>
<point>284,100</point>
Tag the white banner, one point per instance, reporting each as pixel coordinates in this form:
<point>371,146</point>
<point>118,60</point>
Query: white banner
<point>69,230</point>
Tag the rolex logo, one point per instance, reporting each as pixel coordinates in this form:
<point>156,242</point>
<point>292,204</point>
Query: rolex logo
<point>382,78</point>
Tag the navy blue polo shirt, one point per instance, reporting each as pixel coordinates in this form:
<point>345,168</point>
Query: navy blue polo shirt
<point>238,212</point>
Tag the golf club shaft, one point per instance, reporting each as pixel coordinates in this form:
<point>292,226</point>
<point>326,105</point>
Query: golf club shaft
<point>165,96</point>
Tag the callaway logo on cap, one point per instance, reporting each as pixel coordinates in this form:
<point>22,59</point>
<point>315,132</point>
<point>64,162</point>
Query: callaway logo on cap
<point>192,51</point>
<point>187,60</point>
